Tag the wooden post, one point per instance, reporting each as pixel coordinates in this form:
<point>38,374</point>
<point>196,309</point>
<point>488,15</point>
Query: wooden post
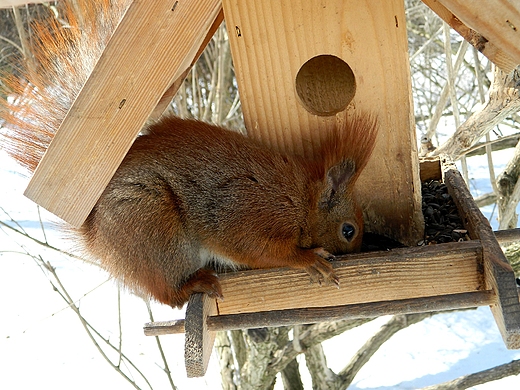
<point>299,62</point>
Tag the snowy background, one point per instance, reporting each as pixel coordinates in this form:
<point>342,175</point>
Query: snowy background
<point>43,344</point>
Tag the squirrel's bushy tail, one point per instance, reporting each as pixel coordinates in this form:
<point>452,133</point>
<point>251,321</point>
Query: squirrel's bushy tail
<point>62,52</point>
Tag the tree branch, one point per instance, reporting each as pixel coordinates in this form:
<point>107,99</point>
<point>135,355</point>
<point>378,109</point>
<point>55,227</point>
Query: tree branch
<point>226,361</point>
<point>478,378</point>
<point>314,334</point>
<point>504,100</point>
<point>291,377</point>
<point>323,378</point>
<point>394,325</point>
<point>509,192</point>
<point>166,368</point>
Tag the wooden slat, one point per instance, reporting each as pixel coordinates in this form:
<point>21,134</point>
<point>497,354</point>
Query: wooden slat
<point>476,13</point>
<point>271,40</point>
<point>499,275</point>
<point>153,45</point>
<point>335,313</point>
<point>382,276</point>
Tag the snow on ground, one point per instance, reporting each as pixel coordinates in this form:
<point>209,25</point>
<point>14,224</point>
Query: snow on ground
<point>43,344</point>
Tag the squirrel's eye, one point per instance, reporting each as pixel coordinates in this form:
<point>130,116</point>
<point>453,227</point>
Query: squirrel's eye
<point>348,231</point>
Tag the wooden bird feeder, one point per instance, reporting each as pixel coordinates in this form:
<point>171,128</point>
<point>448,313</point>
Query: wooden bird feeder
<point>301,65</point>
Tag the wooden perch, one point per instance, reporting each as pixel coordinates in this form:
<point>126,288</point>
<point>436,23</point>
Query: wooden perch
<point>333,313</point>
<point>368,277</point>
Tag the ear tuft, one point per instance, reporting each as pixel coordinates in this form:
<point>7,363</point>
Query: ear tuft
<point>352,139</point>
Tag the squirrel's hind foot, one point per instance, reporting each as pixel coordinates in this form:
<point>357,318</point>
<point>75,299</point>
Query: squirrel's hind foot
<point>202,281</point>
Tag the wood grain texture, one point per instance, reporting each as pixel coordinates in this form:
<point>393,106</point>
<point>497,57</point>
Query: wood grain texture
<point>272,40</point>
<point>168,96</point>
<point>334,313</point>
<point>501,55</point>
<point>382,276</point>
<point>497,20</point>
<point>199,339</point>
<point>499,276</point>
<point>152,46</point>
<point>431,169</point>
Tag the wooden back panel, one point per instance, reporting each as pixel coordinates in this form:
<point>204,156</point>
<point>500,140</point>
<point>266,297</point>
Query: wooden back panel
<point>272,40</point>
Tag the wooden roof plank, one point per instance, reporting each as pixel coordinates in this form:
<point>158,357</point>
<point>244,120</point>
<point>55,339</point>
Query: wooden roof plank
<point>145,56</point>
<point>496,52</point>
<point>172,91</point>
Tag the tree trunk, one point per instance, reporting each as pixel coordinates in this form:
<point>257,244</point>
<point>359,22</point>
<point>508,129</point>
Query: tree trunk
<point>226,361</point>
<point>258,348</point>
<point>291,376</point>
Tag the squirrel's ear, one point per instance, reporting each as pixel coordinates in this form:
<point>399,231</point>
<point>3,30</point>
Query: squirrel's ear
<point>337,179</point>
<point>340,174</point>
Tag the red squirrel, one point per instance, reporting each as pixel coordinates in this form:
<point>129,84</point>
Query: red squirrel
<point>190,193</point>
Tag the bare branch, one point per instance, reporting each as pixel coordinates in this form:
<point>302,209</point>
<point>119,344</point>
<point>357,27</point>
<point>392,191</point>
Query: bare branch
<point>314,334</point>
<point>478,378</point>
<point>394,325</point>
<point>504,100</point>
<point>445,94</point>
<point>323,378</point>
<point>19,230</point>
<point>166,368</point>
<point>88,328</point>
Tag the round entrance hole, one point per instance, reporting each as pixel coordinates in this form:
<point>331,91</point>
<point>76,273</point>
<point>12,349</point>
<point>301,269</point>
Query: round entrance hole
<point>325,85</point>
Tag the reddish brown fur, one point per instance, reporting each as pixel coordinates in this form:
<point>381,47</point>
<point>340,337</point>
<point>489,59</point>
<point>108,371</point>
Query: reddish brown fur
<point>189,192</point>
<point>62,54</point>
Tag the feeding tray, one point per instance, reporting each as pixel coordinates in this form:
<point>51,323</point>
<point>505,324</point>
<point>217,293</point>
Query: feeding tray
<point>431,278</point>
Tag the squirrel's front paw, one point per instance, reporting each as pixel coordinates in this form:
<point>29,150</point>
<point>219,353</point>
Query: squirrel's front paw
<point>321,271</point>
